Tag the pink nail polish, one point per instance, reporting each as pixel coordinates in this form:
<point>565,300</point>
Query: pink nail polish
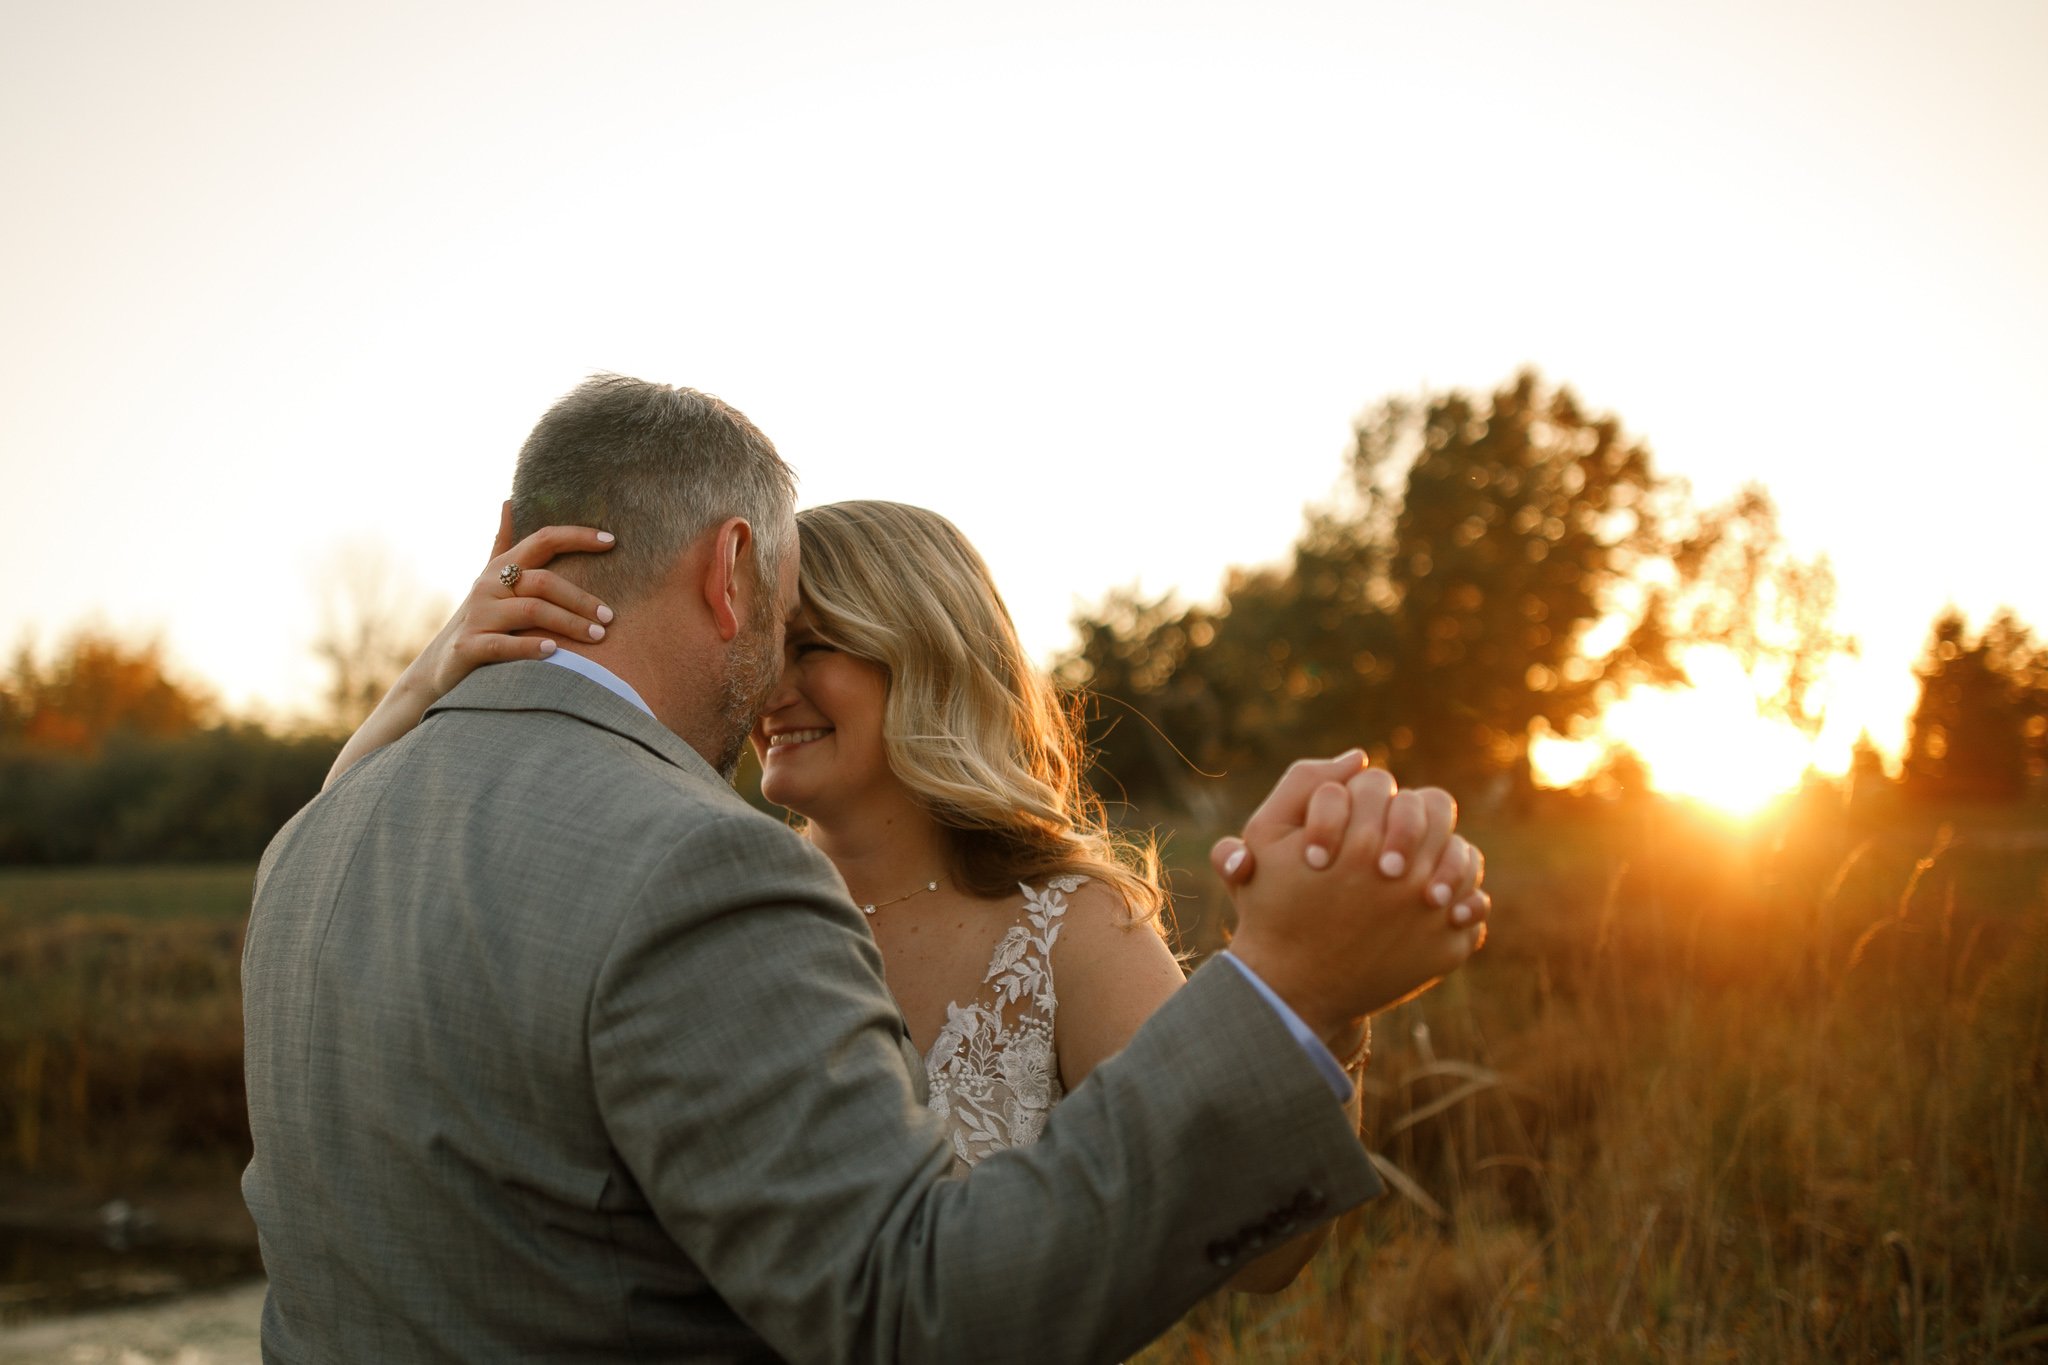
<point>606,537</point>
<point>597,632</point>
<point>1440,893</point>
<point>1318,857</point>
<point>604,614</point>
<point>1461,916</point>
<point>1392,864</point>
<point>547,647</point>
<point>1234,861</point>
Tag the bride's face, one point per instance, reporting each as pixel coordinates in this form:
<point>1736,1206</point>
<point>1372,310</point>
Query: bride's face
<point>819,737</point>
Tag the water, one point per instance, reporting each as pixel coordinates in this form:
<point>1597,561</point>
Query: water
<point>45,1271</point>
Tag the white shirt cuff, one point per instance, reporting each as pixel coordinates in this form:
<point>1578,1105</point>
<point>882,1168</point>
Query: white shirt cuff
<point>1326,1062</point>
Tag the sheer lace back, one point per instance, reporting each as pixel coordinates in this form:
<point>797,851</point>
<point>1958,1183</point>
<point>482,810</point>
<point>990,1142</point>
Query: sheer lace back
<point>992,1068</point>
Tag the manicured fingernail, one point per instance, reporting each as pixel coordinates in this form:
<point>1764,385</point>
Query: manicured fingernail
<point>604,613</point>
<point>1393,864</point>
<point>1318,856</point>
<point>547,647</point>
<point>606,537</point>
<point>1234,861</point>
<point>1440,893</point>
<point>1462,915</point>
<point>597,632</point>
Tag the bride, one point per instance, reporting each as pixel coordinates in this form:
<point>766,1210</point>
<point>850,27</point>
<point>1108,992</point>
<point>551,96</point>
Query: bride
<point>941,774</point>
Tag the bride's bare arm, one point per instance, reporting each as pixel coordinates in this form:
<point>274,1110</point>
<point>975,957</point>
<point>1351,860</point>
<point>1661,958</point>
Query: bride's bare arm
<point>485,629</point>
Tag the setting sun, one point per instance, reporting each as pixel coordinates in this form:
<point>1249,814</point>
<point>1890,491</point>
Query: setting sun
<point>1709,742</point>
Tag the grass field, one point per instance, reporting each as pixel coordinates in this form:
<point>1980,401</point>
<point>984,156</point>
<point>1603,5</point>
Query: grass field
<point>1710,1094</point>
<point>40,896</point>
<point>121,1032</point>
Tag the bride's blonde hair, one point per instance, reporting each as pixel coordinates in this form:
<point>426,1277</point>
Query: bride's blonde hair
<point>981,738</point>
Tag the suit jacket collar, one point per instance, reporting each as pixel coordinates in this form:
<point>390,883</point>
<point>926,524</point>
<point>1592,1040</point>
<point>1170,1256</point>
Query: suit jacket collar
<point>530,685</point>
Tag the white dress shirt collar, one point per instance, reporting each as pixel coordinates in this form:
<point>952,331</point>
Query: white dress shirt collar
<point>598,674</point>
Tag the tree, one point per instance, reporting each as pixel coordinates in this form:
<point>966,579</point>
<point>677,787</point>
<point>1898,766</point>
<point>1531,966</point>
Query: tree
<point>94,687</point>
<point>1739,587</point>
<point>1522,518</point>
<point>1492,564</point>
<point>1155,726</point>
<point>1435,611</point>
<point>373,621</point>
<point>2013,652</point>
<point>1976,733</point>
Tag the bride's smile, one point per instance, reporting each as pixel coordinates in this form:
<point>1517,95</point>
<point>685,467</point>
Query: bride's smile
<point>819,737</point>
<point>782,739</point>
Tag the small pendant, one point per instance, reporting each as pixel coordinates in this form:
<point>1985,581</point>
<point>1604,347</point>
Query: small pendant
<point>872,906</point>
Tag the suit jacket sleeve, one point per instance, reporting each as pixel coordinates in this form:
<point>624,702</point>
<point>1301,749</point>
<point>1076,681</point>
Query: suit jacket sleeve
<point>748,1063</point>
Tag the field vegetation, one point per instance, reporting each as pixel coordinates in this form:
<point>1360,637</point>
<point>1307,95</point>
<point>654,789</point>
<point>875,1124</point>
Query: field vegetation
<point>1712,1092</point>
<point>121,1040</point>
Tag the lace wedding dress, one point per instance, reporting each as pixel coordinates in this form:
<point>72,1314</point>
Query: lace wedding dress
<point>992,1069</point>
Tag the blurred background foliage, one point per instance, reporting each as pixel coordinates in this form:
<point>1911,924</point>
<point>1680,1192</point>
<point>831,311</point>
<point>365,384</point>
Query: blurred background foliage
<point>1980,730</point>
<point>107,758</point>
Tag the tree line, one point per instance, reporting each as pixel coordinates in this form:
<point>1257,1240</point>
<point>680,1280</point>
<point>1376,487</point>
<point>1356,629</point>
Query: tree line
<point>1494,567</point>
<point>106,757</point>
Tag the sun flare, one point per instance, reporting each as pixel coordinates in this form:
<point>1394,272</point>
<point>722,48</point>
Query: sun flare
<point>1707,742</point>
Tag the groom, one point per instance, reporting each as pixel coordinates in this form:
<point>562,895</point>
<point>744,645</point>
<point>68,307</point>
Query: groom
<point>556,1050</point>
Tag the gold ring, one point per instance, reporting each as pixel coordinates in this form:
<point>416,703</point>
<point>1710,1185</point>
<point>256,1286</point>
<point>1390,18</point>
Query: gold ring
<point>509,576</point>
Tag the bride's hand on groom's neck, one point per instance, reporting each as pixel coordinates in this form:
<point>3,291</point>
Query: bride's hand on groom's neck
<point>512,610</point>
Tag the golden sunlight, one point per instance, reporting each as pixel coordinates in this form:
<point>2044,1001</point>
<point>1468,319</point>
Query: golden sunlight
<point>1707,742</point>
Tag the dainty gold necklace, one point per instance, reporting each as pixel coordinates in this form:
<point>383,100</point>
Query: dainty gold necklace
<point>873,906</point>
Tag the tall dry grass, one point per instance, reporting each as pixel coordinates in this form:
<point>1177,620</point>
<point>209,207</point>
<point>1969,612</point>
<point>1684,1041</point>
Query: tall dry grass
<point>120,1023</point>
<point>1709,1095</point>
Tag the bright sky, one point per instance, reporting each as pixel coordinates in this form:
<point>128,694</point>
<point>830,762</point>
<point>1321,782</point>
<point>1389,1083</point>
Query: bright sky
<point>1105,283</point>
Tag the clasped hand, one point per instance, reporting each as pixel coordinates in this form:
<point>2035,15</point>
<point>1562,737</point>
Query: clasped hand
<point>1352,894</point>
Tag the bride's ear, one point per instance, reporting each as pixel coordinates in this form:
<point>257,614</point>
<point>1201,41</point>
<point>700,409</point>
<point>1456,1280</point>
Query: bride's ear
<point>722,587</point>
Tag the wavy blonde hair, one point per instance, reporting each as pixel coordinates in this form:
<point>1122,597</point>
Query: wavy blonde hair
<point>981,738</point>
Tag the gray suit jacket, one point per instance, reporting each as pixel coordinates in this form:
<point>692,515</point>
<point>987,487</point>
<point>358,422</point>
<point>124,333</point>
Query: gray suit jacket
<point>557,1050</point>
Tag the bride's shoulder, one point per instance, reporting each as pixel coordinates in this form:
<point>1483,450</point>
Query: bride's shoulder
<point>1092,916</point>
<point>1113,970</point>
<point>1070,896</point>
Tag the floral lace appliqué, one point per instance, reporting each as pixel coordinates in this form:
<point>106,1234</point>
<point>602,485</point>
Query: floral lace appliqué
<point>992,1068</point>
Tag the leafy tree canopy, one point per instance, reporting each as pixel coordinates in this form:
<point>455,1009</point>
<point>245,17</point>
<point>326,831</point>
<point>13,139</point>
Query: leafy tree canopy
<point>1980,729</point>
<point>95,686</point>
<point>1494,566</point>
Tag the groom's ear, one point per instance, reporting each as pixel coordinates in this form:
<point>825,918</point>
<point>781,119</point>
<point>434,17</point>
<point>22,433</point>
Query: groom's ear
<point>722,585</point>
<point>506,535</point>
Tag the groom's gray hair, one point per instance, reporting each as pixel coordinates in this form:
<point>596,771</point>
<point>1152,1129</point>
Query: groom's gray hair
<point>657,466</point>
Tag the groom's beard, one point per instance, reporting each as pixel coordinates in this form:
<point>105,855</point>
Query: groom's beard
<point>750,675</point>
